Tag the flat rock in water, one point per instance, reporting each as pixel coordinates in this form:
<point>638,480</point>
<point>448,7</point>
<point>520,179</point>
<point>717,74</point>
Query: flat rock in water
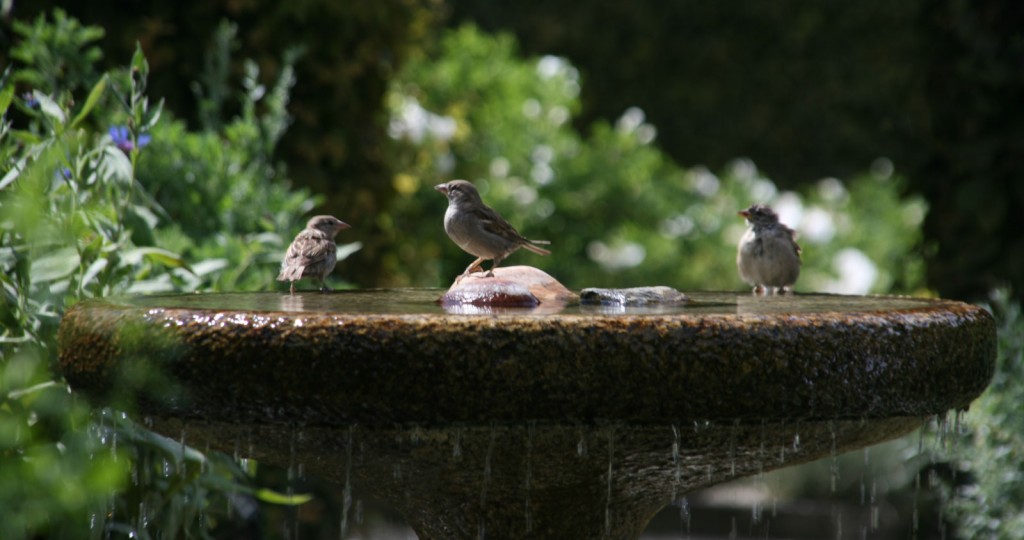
<point>636,296</point>
<point>511,286</point>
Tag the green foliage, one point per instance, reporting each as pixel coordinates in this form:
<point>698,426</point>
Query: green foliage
<point>988,454</point>
<point>227,203</point>
<point>55,473</point>
<point>618,211</point>
<point>350,52</point>
<point>808,89</point>
<point>59,55</point>
<point>85,212</point>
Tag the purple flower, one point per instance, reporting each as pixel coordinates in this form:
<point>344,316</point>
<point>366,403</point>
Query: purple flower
<point>123,139</point>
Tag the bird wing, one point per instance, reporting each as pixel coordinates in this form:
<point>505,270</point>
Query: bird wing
<point>792,237</point>
<point>310,246</point>
<point>492,223</point>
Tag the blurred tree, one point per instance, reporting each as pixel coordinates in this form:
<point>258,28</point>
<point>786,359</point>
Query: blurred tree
<point>812,89</point>
<point>973,171</point>
<point>805,90</point>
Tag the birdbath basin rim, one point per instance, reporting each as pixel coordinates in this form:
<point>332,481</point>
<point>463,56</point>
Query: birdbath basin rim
<point>387,357</point>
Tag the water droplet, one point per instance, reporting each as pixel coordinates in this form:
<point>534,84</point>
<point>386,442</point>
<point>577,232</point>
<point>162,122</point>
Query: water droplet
<point>608,500</point>
<point>486,480</point>
<point>684,515</point>
<point>457,447</point>
<point>346,498</point>
<point>675,461</point>
<point>581,445</point>
<point>529,473</point>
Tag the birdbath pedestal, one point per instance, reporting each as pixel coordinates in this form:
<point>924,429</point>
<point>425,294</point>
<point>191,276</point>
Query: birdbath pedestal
<point>575,422</point>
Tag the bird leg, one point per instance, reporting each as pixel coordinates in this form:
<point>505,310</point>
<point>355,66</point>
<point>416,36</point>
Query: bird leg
<point>494,264</point>
<point>760,290</point>
<point>471,267</point>
<point>291,287</point>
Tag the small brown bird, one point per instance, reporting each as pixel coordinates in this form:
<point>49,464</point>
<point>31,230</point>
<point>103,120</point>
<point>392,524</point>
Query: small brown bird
<point>768,256</point>
<point>478,229</point>
<point>313,253</point>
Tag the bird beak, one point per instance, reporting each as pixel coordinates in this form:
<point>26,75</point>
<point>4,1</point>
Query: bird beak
<point>744,213</point>
<point>443,188</point>
<point>342,226</point>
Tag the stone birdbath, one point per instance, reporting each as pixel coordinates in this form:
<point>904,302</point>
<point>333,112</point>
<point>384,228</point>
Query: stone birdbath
<point>564,420</point>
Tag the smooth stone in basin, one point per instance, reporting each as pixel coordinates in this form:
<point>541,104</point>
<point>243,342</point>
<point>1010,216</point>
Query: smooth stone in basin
<point>512,286</point>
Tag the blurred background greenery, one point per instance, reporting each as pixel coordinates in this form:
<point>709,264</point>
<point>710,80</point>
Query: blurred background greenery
<point>178,146</point>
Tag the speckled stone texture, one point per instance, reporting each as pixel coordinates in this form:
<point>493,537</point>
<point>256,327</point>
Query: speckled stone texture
<point>728,379</point>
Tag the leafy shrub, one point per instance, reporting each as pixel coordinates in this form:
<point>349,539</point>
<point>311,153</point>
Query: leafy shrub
<point>90,204</point>
<point>617,210</point>
<point>989,487</point>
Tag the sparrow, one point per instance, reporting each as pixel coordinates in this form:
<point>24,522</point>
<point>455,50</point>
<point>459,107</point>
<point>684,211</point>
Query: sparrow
<point>313,253</point>
<point>768,256</point>
<point>478,229</point>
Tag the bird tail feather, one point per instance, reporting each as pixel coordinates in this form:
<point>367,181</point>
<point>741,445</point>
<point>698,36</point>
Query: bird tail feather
<point>291,273</point>
<point>538,250</point>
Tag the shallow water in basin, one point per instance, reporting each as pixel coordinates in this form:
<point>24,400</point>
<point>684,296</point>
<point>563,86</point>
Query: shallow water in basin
<point>424,301</point>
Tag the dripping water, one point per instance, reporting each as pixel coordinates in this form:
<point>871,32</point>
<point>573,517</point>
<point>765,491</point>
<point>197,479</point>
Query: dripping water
<point>684,515</point>
<point>529,473</point>
<point>482,528</point>
<point>732,447</point>
<point>292,522</point>
<point>457,447</point>
<point>675,461</point>
<point>346,494</point>
<point>837,514</point>
<point>608,500</point>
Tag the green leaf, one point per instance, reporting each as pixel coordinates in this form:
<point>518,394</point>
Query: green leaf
<point>117,166</point>
<point>273,497</point>
<point>139,63</point>
<point>49,107</point>
<point>18,394</point>
<point>94,97</point>
<point>26,137</point>
<point>153,116</point>
<point>6,96</point>
<point>56,265</point>
<point>153,254</point>
<point>94,269</point>
<point>345,250</point>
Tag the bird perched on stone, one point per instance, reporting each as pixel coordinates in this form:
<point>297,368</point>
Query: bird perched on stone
<point>313,253</point>
<point>478,229</point>
<point>768,256</point>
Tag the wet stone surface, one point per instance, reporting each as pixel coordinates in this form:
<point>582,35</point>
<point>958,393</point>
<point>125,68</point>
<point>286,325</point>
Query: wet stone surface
<point>635,296</point>
<point>562,420</point>
<point>386,357</point>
